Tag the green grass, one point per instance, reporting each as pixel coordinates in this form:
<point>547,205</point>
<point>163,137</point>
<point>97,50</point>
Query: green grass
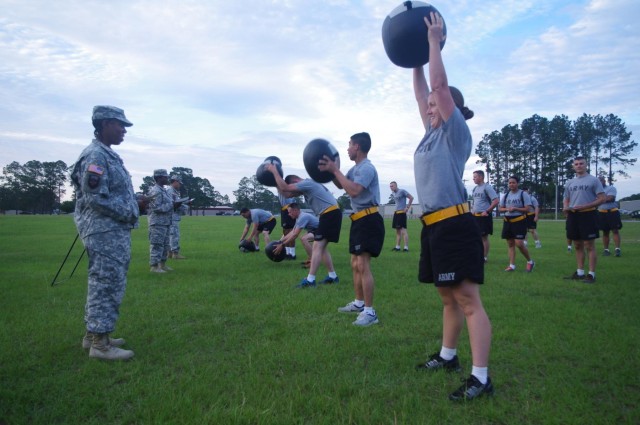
<point>226,339</point>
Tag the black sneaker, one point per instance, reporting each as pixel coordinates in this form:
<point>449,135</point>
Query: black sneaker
<point>618,252</point>
<point>436,362</point>
<point>589,279</point>
<point>396,249</point>
<point>472,388</point>
<point>574,276</point>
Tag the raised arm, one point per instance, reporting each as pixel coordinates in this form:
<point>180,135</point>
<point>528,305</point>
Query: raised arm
<point>421,91</point>
<point>437,74</point>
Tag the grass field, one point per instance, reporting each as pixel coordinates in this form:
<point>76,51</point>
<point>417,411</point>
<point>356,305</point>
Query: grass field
<point>226,339</point>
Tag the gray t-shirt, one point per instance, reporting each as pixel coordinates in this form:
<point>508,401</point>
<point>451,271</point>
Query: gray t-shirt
<point>400,197</point>
<point>365,175</point>
<point>307,222</point>
<point>582,190</point>
<point>316,195</point>
<point>519,199</point>
<point>259,216</point>
<point>438,164</point>
<point>483,194</point>
<point>609,191</point>
<point>534,204</point>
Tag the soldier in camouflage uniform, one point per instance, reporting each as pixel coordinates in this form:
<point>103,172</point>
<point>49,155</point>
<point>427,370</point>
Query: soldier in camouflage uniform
<point>106,211</point>
<point>160,211</point>
<point>179,210</point>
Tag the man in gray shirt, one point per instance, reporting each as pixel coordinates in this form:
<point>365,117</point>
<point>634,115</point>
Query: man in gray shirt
<point>609,218</point>
<point>582,195</point>
<point>485,199</point>
<point>399,222</point>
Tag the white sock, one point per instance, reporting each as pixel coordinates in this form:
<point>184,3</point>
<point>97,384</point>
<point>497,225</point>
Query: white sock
<point>448,353</point>
<point>311,277</point>
<point>580,272</point>
<point>257,247</point>
<point>397,246</point>
<point>293,251</point>
<point>406,247</point>
<point>358,303</point>
<point>530,261</point>
<point>593,274</point>
<point>333,275</point>
<point>513,266</point>
<point>370,311</point>
<point>481,373</point>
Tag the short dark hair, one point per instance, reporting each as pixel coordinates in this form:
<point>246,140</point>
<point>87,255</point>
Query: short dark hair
<point>480,172</point>
<point>579,158</point>
<point>294,205</point>
<point>515,178</point>
<point>363,140</point>
<point>244,210</point>
<point>289,179</point>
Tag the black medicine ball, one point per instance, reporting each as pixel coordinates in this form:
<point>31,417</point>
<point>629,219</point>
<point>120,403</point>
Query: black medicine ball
<point>313,152</point>
<point>247,246</point>
<point>404,34</point>
<point>272,256</point>
<point>265,177</point>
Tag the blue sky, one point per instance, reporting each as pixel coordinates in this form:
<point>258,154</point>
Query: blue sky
<point>217,86</point>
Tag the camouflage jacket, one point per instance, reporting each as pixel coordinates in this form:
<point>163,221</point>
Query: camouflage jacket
<point>105,199</point>
<point>180,210</point>
<point>160,209</point>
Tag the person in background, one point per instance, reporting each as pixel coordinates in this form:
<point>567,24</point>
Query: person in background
<point>302,221</point>
<point>515,205</point>
<point>399,222</point>
<point>160,211</point>
<point>485,199</point>
<point>263,222</point>
<point>107,209</point>
<point>533,216</point>
<point>582,195</point>
<point>287,222</point>
<point>179,210</point>
<point>609,218</point>
<point>326,208</point>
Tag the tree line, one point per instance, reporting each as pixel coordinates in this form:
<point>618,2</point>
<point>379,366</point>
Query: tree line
<point>540,152</point>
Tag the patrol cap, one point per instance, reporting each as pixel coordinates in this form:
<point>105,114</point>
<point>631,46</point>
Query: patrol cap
<point>160,172</point>
<point>104,112</point>
<point>175,178</point>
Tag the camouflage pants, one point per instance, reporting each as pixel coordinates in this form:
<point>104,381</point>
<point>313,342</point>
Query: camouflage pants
<point>159,240</point>
<point>174,236</point>
<point>109,256</point>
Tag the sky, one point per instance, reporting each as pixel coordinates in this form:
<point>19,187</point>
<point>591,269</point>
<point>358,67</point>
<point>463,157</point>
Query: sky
<point>218,86</point>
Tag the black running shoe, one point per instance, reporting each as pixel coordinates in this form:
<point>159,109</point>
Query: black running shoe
<point>436,362</point>
<point>472,388</point>
<point>574,276</point>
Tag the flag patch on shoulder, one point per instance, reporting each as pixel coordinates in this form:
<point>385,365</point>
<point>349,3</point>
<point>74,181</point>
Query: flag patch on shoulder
<point>95,169</point>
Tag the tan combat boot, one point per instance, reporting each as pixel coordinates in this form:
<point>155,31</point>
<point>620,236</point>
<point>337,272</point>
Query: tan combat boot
<point>165,268</point>
<point>88,339</point>
<point>156,268</point>
<point>176,256</point>
<point>102,349</point>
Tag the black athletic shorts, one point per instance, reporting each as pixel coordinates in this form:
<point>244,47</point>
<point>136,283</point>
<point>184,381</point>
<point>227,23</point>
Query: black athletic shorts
<point>485,223</point>
<point>367,235</point>
<point>610,220</point>
<point>514,230</point>
<point>267,225</point>
<point>286,220</point>
<point>329,227</point>
<point>451,251</point>
<point>582,226</point>
<point>531,223</point>
<point>399,220</point>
